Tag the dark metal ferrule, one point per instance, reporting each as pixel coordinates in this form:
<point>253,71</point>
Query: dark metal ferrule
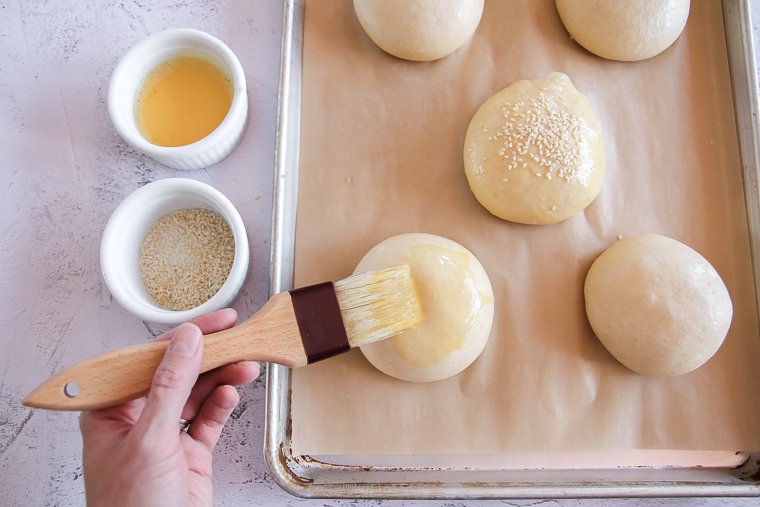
<point>320,321</point>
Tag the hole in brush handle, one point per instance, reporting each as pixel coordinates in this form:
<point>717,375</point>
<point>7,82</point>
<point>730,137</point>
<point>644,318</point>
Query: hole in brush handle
<point>71,389</point>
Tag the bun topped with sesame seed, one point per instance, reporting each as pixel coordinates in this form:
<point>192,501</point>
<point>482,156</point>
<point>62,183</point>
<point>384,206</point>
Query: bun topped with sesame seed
<point>534,152</point>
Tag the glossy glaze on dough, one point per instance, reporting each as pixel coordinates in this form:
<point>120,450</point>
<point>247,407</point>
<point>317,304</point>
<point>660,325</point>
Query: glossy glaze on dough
<point>656,305</point>
<point>625,30</point>
<point>457,304</point>
<point>534,152</point>
<point>419,30</point>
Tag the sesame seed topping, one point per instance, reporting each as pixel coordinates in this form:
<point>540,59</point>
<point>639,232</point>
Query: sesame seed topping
<point>547,132</point>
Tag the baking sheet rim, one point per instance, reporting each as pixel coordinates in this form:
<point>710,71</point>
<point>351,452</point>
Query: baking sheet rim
<point>295,473</point>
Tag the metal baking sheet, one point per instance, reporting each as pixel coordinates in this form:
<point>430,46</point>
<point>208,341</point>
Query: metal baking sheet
<point>305,476</point>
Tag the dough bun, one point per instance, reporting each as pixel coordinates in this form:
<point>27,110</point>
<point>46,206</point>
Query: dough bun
<point>626,30</point>
<point>419,30</point>
<point>657,305</point>
<point>534,152</point>
<point>457,305</point>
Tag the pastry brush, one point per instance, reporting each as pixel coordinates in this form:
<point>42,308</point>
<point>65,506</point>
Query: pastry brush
<point>293,328</point>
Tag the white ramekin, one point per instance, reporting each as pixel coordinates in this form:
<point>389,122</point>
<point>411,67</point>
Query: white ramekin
<point>134,67</point>
<point>127,227</point>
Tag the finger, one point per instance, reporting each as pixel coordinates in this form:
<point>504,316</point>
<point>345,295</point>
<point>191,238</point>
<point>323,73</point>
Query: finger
<point>173,381</point>
<point>213,415</point>
<point>233,374</point>
<point>208,323</point>
<point>125,414</point>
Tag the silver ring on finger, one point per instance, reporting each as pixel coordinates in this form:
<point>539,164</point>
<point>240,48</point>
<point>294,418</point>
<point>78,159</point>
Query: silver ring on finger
<point>184,424</point>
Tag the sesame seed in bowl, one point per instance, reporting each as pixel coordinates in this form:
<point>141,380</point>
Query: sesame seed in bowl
<point>174,249</point>
<point>186,257</point>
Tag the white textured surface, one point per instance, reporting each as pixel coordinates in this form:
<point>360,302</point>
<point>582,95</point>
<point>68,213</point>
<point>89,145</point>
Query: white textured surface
<point>63,169</point>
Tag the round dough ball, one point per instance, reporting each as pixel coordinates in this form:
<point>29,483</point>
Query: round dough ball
<point>534,152</point>
<point>419,30</point>
<point>657,305</point>
<point>457,305</point>
<point>626,30</point>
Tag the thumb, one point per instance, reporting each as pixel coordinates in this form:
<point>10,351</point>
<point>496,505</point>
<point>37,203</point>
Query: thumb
<point>173,381</point>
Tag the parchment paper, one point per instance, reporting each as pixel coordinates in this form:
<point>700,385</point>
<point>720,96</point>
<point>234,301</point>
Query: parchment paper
<point>381,154</point>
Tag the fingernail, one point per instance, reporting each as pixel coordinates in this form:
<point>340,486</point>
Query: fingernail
<point>185,340</point>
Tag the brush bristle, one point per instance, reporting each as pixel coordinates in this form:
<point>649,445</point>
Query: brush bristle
<point>378,304</point>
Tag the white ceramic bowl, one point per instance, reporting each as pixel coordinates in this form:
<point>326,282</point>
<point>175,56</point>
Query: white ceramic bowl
<point>130,222</point>
<point>134,67</point>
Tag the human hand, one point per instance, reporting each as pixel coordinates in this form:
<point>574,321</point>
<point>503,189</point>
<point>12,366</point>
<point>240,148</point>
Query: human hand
<point>135,454</point>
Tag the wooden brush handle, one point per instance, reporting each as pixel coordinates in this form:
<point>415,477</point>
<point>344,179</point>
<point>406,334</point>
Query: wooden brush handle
<point>114,377</point>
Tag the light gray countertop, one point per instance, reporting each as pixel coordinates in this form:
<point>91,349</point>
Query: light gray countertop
<point>64,169</point>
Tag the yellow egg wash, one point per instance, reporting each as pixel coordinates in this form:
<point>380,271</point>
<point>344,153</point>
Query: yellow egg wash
<point>182,101</point>
<point>450,303</point>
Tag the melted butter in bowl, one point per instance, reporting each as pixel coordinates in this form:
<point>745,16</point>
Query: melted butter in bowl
<point>457,304</point>
<point>180,97</point>
<point>182,100</point>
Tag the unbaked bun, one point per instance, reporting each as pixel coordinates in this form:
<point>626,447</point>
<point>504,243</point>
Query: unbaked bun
<point>419,30</point>
<point>657,305</point>
<point>626,30</point>
<point>534,152</point>
<point>457,305</point>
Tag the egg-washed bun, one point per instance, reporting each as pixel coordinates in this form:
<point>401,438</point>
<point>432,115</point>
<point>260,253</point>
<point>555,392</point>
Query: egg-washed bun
<point>419,30</point>
<point>627,30</point>
<point>457,305</point>
<point>534,152</point>
<point>657,305</point>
